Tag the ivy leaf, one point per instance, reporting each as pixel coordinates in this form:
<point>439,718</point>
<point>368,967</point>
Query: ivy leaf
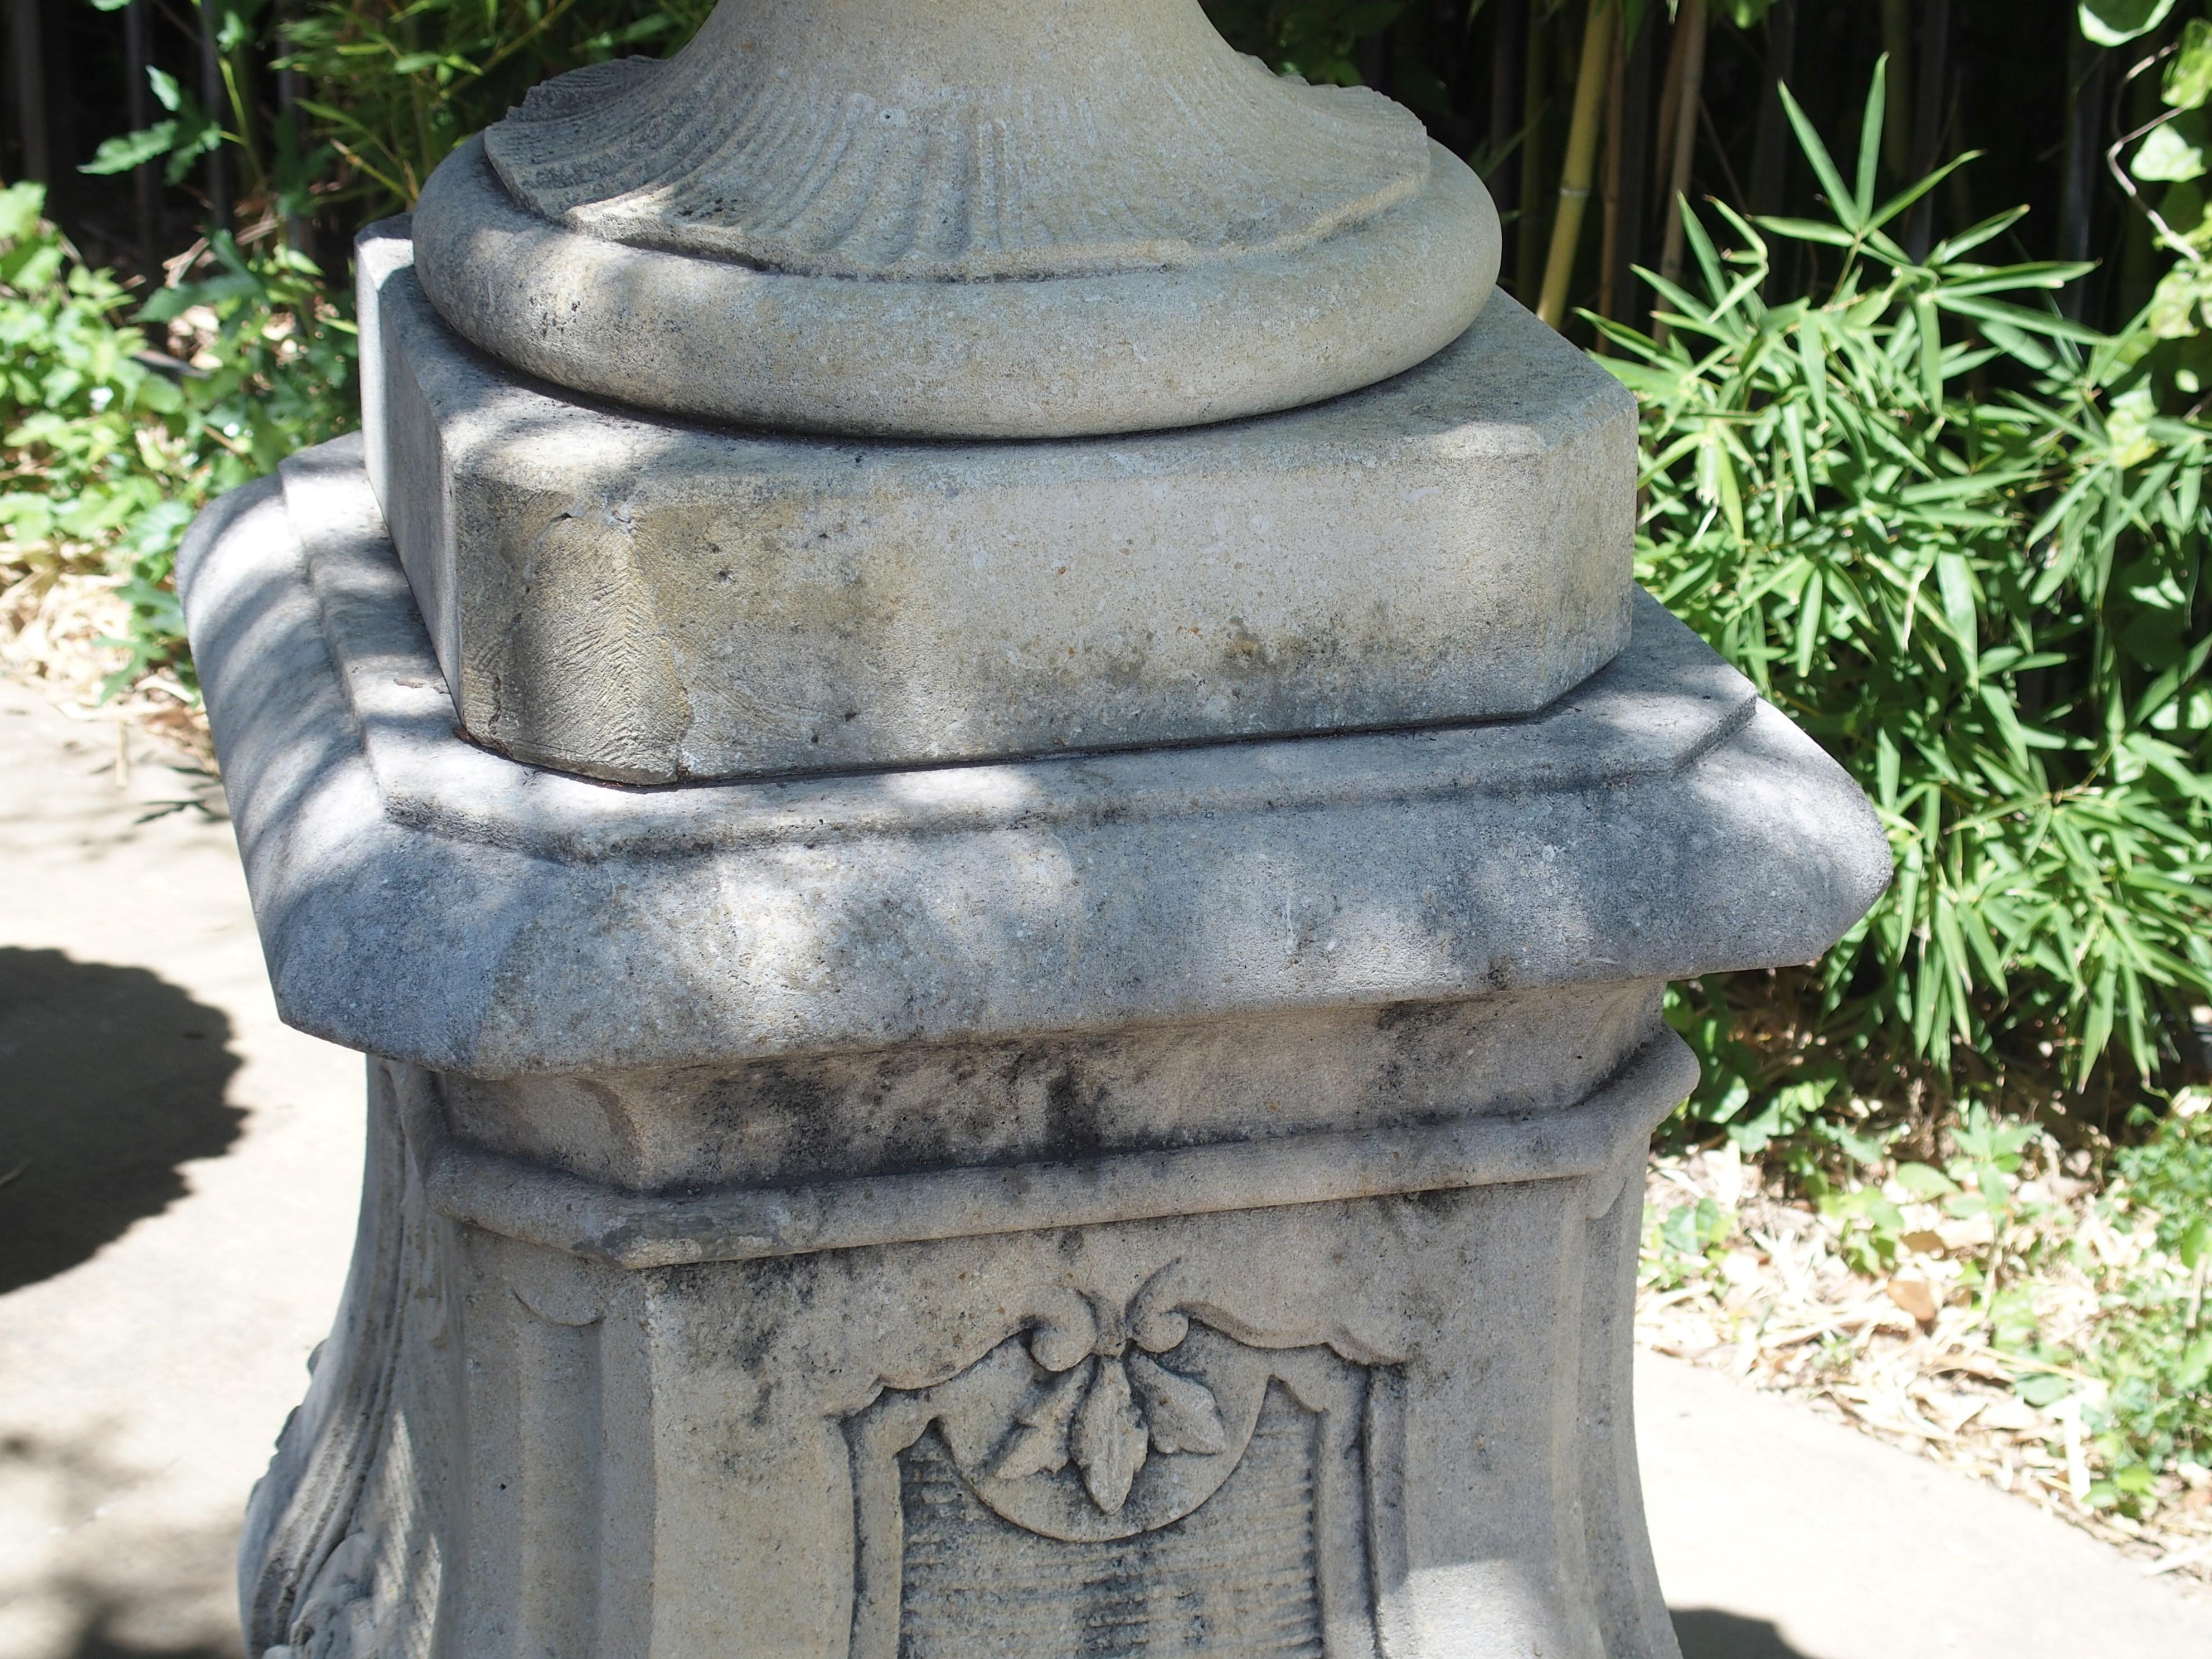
<point>2116,22</point>
<point>2168,156</point>
<point>2179,301</point>
<point>2188,79</point>
<point>132,149</point>
<point>1039,1445</point>
<point>1925,1182</point>
<point>1179,1411</point>
<point>1107,1439</point>
<point>19,208</point>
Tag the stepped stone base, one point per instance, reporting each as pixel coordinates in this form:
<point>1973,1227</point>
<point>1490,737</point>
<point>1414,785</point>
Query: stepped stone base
<point>1179,1202</point>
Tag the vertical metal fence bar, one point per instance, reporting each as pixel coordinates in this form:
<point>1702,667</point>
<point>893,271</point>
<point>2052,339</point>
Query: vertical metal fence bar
<point>27,46</point>
<point>137,54</point>
<point>218,107</point>
<point>298,231</point>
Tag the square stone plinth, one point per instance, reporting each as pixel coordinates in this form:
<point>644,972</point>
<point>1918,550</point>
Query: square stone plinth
<point>423,899</point>
<point>645,600</point>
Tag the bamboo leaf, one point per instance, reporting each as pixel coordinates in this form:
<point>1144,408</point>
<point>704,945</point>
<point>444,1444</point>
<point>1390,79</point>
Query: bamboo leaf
<point>1824,167</point>
<point>1870,141</point>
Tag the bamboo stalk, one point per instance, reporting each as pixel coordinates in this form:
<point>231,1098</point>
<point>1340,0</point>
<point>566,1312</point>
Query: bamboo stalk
<point>214,94</point>
<point>1598,30</point>
<point>138,53</point>
<point>2077,201</point>
<point>27,46</point>
<point>1690,20</point>
<point>1770,150</point>
<point>1932,106</point>
<point>1636,194</point>
<point>1508,75</point>
<point>1616,109</point>
<point>1897,109</point>
<point>1534,106</point>
<point>1670,99</point>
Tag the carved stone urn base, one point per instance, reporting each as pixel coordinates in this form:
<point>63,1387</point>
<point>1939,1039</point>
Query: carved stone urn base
<point>1389,1423</point>
<point>1178,1201</point>
<point>1014,220</point>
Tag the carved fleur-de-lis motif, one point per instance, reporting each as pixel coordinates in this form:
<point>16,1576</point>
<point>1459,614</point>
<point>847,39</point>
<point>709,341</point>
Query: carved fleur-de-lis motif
<point>1107,1414</point>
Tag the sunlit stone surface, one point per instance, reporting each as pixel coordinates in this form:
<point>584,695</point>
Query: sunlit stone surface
<point>1098,1108</point>
<point>1005,220</point>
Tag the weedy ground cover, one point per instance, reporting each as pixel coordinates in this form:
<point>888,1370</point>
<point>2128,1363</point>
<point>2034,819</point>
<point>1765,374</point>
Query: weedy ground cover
<point>121,417</point>
<point>1998,1310</point>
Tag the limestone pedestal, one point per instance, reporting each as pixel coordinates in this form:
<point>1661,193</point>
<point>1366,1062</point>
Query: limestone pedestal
<point>1173,1200</point>
<point>971,741</point>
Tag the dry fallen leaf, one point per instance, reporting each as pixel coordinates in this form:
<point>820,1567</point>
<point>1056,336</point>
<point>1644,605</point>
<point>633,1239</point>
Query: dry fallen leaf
<point>1972,1233</point>
<point>1915,1295</point>
<point>1810,1324</point>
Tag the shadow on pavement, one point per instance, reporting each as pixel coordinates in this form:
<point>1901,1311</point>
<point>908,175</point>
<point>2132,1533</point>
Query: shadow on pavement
<point>100,1640</point>
<point>109,1078</point>
<point>1710,1633</point>
<point>116,1574</point>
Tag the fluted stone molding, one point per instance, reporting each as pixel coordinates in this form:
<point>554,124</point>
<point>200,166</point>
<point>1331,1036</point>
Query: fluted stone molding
<point>951,219</point>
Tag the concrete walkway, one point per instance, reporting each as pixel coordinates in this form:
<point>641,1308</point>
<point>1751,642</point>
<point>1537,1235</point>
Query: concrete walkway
<point>174,1244</point>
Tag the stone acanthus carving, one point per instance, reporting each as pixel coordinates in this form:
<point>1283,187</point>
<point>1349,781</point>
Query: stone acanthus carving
<point>1107,1414</point>
<point>1040,142</point>
<point>1165,1475</point>
<point>337,1616</point>
<point>317,1577</point>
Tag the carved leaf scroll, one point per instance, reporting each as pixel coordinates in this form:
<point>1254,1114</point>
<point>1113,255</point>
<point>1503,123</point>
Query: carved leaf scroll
<point>1108,1439</point>
<point>1039,1445</point>
<point>1107,1414</point>
<point>1180,1412</point>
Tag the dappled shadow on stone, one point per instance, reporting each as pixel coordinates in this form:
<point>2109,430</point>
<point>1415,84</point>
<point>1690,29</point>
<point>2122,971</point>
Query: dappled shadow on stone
<point>110,1079</point>
<point>1712,1633</point>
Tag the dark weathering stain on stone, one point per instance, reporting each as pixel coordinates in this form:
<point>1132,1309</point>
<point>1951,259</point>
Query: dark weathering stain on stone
<point>1075,1117</point>
<point>1234,1579</point>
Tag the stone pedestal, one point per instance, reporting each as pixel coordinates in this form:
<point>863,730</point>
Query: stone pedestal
<point>1095,1105</point>
<point>1182,1201</point>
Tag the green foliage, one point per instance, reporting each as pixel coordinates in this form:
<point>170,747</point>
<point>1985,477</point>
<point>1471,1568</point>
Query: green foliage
<point>1978,1180</point>
<point>2115,22</point>
<point>1686,1243</point>
<point>1317,40</point>
<point>1952,536</point>
<point>393,88</point>
<point>2152,1356</point>
<point>108,456</point>
<point>396,86</point>
<point>2171,158</point>
<point>2169,1176</point>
